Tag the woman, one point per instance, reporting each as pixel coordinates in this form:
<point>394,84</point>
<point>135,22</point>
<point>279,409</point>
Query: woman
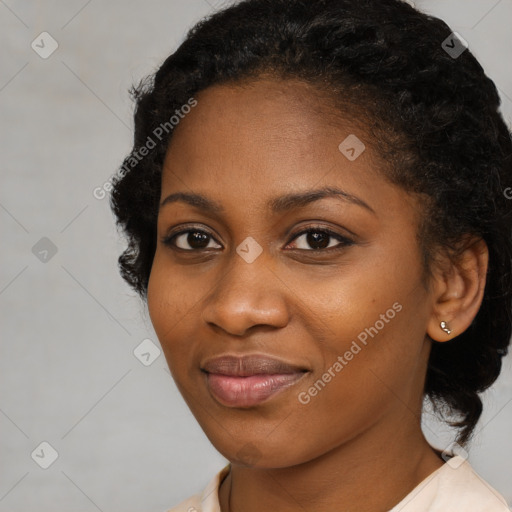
<point>316,213</point>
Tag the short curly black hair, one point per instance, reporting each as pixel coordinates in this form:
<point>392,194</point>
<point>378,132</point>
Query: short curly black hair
<point>432,116</point>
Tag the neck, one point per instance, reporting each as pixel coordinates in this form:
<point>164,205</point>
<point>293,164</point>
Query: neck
<point>370,473</point>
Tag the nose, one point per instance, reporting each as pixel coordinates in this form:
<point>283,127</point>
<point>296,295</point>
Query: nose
<point>247,295</point>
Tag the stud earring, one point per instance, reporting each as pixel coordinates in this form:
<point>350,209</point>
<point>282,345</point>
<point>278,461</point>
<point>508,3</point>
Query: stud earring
<point>444,327</point>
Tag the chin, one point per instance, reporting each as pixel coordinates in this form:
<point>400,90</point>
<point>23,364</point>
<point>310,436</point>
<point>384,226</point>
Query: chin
<point>258,455</point>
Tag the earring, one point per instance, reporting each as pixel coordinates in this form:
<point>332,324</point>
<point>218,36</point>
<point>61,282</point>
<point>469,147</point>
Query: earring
<point>444,327</point>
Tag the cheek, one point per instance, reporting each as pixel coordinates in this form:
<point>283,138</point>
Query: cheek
<point>170,297</point>
<point>168,309</point>
<point>359,383</point>
<point>371,344</point>
<point>159,300</point>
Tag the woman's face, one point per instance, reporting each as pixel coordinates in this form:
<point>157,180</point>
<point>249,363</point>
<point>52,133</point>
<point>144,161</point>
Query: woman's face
<point>347,311</point>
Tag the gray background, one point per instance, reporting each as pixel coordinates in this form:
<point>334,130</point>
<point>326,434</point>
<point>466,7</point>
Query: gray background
<point>68,375</point>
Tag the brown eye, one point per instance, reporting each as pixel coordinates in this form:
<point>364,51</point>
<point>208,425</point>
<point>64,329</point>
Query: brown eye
<point>195,238</point>
<point>320,239</point>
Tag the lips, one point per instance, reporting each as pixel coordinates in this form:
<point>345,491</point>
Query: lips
<point>246,381</point>
<point>245,366</point>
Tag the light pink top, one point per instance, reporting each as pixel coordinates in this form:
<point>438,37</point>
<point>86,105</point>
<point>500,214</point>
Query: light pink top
<point>454,487</point>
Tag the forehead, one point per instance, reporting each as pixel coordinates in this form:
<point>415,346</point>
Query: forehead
<point>275,108</point>
<point>243,144</point>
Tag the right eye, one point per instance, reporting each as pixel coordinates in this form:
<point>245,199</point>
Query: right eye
<point>197,239</point>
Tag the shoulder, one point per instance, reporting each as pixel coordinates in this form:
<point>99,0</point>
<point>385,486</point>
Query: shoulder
<point>192,504</point>
<point>208,499</point>
<point>470,490</point>
<point>453,487</point>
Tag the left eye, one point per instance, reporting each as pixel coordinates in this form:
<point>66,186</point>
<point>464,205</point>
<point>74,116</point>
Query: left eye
<point>319,239</point>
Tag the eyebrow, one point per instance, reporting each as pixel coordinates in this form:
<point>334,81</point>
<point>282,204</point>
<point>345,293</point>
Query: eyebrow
<point>279,204</point>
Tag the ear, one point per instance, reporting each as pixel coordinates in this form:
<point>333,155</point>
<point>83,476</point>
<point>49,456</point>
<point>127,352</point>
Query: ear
<point>457,291</point>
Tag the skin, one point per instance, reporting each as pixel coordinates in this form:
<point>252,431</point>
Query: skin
<point>241,146</point>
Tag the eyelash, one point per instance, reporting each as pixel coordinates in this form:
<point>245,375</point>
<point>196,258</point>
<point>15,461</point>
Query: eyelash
<point>344,241</point>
